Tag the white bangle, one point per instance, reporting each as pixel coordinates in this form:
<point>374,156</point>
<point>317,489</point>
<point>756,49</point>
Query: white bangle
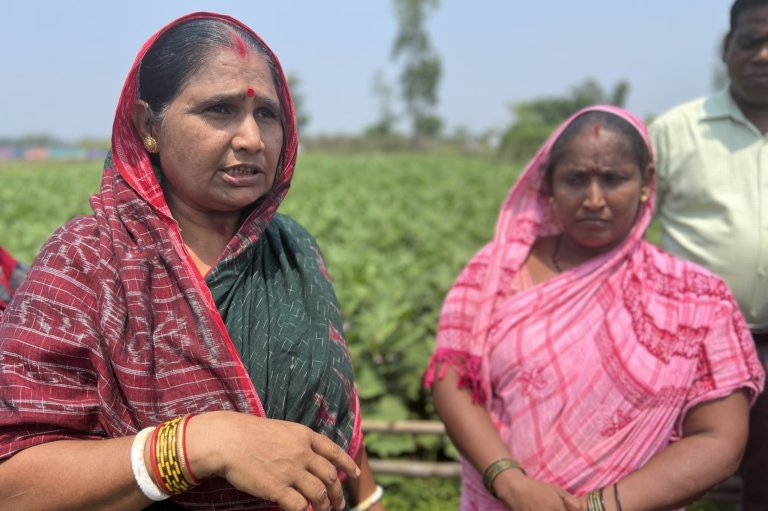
<point>140,473</point>
<point>368,503</point>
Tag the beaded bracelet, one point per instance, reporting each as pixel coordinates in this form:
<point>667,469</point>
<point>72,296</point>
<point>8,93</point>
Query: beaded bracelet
<point>494,469</point>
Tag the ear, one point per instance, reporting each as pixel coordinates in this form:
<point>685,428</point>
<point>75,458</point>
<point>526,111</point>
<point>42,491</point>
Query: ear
<point>649,174</point>
<point>141,119</point>
<point>724,49</point>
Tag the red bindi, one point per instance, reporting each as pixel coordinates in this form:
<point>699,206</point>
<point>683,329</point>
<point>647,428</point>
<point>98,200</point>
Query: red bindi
<point>250,92</point>
<point>597,129</point>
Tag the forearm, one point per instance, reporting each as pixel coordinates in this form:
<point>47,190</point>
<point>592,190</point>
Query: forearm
<point>678,475</point>
<point>708,453</point>
<point>71,475</point>
<point>364,486</point>
<point>467,423</point>
<point>471,429</point>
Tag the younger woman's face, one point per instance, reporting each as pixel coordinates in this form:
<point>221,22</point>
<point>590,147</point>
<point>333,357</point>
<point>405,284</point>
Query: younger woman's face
<point>597,187</point>
<point>221,138</point>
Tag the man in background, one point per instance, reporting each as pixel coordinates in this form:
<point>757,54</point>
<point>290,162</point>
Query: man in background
<point>712,170</point>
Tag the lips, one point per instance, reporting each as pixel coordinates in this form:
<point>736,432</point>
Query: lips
<point>593,220</point>
<point>241,170</point>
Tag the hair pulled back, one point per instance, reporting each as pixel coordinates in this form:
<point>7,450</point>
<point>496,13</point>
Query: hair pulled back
<point>183,50</point>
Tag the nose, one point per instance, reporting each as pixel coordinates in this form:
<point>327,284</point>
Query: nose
<point>594,198</point>
<point>248,135</point>
<point>761,55</point>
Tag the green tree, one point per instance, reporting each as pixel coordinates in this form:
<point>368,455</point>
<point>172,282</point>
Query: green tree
<point>302,117</point>
<point>537,118</point>
<point>422,67</point>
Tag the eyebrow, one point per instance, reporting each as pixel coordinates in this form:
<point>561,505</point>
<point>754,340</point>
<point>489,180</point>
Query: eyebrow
<point>227,98</point>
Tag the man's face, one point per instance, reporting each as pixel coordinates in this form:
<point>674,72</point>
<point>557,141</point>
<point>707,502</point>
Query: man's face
<point>746,56</point>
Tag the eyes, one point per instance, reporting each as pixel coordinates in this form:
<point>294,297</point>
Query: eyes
<point>225,109</point>
<point>746,42</point>
<point>579,179</point>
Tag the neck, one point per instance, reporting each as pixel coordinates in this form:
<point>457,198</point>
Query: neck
<point>567,254</point>
<point>756,114</point>
<point>205,235</point>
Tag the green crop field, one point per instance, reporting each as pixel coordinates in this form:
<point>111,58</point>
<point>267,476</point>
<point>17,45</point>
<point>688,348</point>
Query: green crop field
<point>395,231</point>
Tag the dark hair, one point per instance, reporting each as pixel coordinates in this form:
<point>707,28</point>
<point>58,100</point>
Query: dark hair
<point>181,51</point>
<point>611,122</point>
<point>739,6</point>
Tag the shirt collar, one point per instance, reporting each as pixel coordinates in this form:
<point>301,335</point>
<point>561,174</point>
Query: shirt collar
<point>722,106</point>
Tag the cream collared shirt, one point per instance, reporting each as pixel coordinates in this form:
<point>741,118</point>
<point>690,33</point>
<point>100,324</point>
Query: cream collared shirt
<point>712,203</point>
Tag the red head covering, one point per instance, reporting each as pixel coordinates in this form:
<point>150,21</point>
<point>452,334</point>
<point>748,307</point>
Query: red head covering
<point>132,161</point>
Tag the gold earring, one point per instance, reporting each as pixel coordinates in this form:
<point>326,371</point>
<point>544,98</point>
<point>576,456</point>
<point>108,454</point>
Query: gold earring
<point>644,197</point>
<point>150,144</point>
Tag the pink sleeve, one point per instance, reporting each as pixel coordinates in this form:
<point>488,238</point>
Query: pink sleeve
<point>454,329</point>
<point>728,361</point>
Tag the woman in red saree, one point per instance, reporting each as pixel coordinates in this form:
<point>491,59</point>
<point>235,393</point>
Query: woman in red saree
<point>571,350</point>
<point>185,339</point>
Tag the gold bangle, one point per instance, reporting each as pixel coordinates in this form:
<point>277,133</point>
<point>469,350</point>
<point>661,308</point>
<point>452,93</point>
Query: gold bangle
<point>595,500</point>
<point>167,461</point>
<point>181,452</point>
<point>494,469</point>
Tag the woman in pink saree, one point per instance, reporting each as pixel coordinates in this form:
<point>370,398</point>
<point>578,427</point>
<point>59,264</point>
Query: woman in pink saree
<point>577,365</point>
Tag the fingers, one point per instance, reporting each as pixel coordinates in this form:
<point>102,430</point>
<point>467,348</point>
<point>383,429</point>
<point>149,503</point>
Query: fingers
<point>326,448</point>
<point>291,500</point>
<point>326,473</point>
<point>317,493</point>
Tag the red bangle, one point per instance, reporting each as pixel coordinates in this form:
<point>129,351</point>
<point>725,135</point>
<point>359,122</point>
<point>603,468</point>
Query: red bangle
<point>188,465</point>
<point>153,461</point>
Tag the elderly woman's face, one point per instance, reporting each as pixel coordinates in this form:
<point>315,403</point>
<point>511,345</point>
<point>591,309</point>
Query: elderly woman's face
<point>597,187</point>
<point>221,137</point>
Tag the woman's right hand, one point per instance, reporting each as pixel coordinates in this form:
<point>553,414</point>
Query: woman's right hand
<point>284,462</point>
<point>520,493</point>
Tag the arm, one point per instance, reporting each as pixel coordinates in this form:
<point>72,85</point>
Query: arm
<point>714,435</point>
<point>470,428</point>
<point>365,485</point>
<point>276,460</point>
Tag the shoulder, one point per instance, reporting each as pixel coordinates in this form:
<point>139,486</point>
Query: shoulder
<point>681,115</point>
<point>687,279</point>
<point>287,227</point>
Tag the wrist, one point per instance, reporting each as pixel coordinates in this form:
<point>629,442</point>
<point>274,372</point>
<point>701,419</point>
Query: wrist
<point>203,455</point>
<point>510,485</point>
<point>496,469</point>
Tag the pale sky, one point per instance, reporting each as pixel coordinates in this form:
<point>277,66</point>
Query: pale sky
<point>63,63</point>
